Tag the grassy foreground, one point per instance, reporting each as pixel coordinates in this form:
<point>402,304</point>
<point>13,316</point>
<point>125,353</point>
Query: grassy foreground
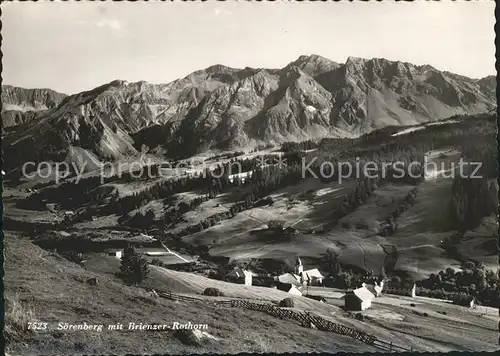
<point>42,286</point>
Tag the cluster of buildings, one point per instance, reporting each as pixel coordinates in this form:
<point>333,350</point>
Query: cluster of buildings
<point>292,283</point>
<point>358,299</point>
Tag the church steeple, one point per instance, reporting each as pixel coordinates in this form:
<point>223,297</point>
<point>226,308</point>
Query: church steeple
<point>299,268</point>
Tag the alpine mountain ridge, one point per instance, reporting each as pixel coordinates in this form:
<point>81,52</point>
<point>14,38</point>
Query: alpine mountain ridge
<point>227,108</point>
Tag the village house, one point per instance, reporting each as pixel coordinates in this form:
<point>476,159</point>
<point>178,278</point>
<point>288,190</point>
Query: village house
<point>240,276</point>
<point>312,277</point>
<point>289,288</point>
<point>358,299</point>
<point>116,253</point>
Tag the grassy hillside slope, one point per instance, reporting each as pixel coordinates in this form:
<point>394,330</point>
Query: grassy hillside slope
<point>42,286</point>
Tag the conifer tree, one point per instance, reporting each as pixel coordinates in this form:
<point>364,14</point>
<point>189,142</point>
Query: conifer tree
<point>134,269</point>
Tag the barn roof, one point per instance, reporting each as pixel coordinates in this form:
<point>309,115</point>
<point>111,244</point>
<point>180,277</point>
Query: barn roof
<point>290,279</point>
<point>363,294</point>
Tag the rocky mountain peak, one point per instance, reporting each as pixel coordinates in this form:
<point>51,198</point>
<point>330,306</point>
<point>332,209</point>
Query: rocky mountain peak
<point>314,65</point>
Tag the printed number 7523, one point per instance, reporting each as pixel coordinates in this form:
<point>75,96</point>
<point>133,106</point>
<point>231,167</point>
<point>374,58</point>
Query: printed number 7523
<point>37,326</point>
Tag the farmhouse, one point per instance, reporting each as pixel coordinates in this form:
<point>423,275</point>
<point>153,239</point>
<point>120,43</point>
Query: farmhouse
<point>312,277</point>
<point>358,299</point>
<point>289,288</point>
<point>116,253</point>
<point>240,276</point>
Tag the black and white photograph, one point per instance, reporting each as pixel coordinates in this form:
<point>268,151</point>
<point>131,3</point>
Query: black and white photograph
<point>266,177</point>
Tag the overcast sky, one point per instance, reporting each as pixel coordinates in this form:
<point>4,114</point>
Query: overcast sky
<point>74,46</point>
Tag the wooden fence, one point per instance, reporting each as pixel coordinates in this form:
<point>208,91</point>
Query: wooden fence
<point>305,318</point>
